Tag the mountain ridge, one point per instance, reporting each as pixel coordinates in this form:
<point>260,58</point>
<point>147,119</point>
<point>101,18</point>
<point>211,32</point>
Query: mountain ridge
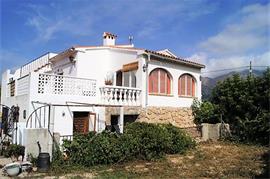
<point>209,83</point>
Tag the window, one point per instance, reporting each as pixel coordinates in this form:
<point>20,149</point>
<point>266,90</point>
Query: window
<point>186,85</point>
<point>159,82</point>
<point>12,88</point>
<point>129,79</point>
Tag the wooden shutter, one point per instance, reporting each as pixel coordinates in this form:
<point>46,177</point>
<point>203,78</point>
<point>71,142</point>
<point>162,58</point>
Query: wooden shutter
<point>12,88</point>
<point>182,85</point>
<point>162,82</point>
<point>189,87</point>
<point>193,87</point>
<point>155,81</point>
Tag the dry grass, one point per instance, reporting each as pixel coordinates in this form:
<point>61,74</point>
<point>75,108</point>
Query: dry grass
<point>208,160</point>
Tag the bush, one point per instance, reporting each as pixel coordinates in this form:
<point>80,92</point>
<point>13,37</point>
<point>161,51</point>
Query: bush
<point>244,103</point>
<point>150,140</point>
<point>139,141</point>
<point>14,150</point>
<point>204,112</point>
<point>179,140</point>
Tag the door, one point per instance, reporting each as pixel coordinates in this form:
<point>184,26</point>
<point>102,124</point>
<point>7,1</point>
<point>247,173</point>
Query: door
<point>81,122</point>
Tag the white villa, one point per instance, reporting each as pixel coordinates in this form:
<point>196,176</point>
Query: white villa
<point>89,88</point>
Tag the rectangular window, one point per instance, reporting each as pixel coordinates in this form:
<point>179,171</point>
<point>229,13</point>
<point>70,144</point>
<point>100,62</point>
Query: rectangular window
<point>126,79</point>
<point>129,79</point>
<point>12,88</point>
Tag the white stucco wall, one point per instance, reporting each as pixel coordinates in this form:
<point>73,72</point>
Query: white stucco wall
<point>63,116</point>
<point>97,63</point>
<point>68,68</point>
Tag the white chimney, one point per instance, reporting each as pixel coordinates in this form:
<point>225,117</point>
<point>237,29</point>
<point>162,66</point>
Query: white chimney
<point>109,38</point>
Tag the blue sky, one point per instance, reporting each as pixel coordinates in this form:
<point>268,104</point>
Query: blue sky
<point>220,34</point>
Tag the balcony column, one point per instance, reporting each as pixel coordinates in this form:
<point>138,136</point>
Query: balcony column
<point>121,120</point>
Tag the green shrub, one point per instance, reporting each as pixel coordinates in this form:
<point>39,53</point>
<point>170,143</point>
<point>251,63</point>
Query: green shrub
<point>139,141</point>
<point>204,112</point>
<point>14,150</point>
<point>150,140</point>
<point>245,104</point>
<point>179,140</point>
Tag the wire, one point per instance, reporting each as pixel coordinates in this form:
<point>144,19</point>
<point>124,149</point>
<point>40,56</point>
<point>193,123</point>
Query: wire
<point>226,69</point>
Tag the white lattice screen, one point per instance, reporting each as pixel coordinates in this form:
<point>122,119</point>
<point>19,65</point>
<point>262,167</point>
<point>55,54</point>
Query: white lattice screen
<point>63,85</point>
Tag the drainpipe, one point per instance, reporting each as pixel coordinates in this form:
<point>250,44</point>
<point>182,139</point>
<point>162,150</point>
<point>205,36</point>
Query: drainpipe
<point>146,81</point>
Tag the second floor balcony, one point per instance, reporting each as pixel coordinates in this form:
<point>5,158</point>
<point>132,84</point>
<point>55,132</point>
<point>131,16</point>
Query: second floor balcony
<point>61,89</point>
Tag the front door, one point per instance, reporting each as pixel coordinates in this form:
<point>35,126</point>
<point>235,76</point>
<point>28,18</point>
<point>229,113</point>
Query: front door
<point>81,122</point>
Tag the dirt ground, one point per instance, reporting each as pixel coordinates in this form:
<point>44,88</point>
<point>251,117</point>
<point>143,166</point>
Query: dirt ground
<point>208,160</point>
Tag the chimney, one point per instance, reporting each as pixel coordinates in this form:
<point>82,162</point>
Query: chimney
<point>108,38</point>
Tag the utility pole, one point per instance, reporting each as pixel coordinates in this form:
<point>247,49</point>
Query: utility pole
<point>130,38</point>
<point>250,69</point>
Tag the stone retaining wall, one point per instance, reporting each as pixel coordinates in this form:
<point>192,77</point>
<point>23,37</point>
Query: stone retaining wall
<point>180,117</point>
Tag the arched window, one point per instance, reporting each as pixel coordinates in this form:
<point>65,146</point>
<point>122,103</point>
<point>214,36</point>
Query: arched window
<point>186,85</point>
<point>159,82</point>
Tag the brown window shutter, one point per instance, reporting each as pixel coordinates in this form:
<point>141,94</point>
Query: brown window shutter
<point>183,85</point>
<point>193,87</point>
<point>162,81</point>
<point>189,87</point>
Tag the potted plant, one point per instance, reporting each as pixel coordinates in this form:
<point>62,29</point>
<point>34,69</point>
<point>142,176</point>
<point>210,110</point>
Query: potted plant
<point>109,78</point>
<point>108,82</point>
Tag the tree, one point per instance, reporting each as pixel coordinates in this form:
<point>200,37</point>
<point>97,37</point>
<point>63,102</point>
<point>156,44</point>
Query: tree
<point>244,103</point>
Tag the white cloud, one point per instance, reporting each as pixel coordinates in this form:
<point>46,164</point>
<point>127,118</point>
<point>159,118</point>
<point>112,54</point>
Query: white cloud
<point>247,34</point>
<point>143,17</point>
<point>213,65</point>
<point>57,21</point>
<point>243,39</point>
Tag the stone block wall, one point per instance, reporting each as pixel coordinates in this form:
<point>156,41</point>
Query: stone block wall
<point>180,117</point>
<point>215,131</point>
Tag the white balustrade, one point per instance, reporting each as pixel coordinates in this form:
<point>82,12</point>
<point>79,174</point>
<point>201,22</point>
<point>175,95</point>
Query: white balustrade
<point>66,85</point>
<point>118,95</point>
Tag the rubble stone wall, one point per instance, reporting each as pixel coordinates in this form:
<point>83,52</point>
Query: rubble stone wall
<point>180,117</point>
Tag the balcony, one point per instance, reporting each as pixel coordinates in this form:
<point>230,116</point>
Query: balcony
<point>65,85</point>
<point>58,89</point>
<point>118,95</point>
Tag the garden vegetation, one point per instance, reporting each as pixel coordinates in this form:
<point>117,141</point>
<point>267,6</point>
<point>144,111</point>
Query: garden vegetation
<point>243,103</point>
<point>139,141</point>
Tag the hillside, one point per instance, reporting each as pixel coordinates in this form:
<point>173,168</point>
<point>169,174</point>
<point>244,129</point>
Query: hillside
<point>209,83</point>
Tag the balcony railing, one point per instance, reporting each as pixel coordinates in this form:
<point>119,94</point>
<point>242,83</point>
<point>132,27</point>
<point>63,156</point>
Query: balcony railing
<point>65,85</point>
<point>118,95</point>
<point>59,89</point>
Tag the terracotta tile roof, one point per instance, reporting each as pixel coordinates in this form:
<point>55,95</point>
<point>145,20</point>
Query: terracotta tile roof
<point>176,59</point>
